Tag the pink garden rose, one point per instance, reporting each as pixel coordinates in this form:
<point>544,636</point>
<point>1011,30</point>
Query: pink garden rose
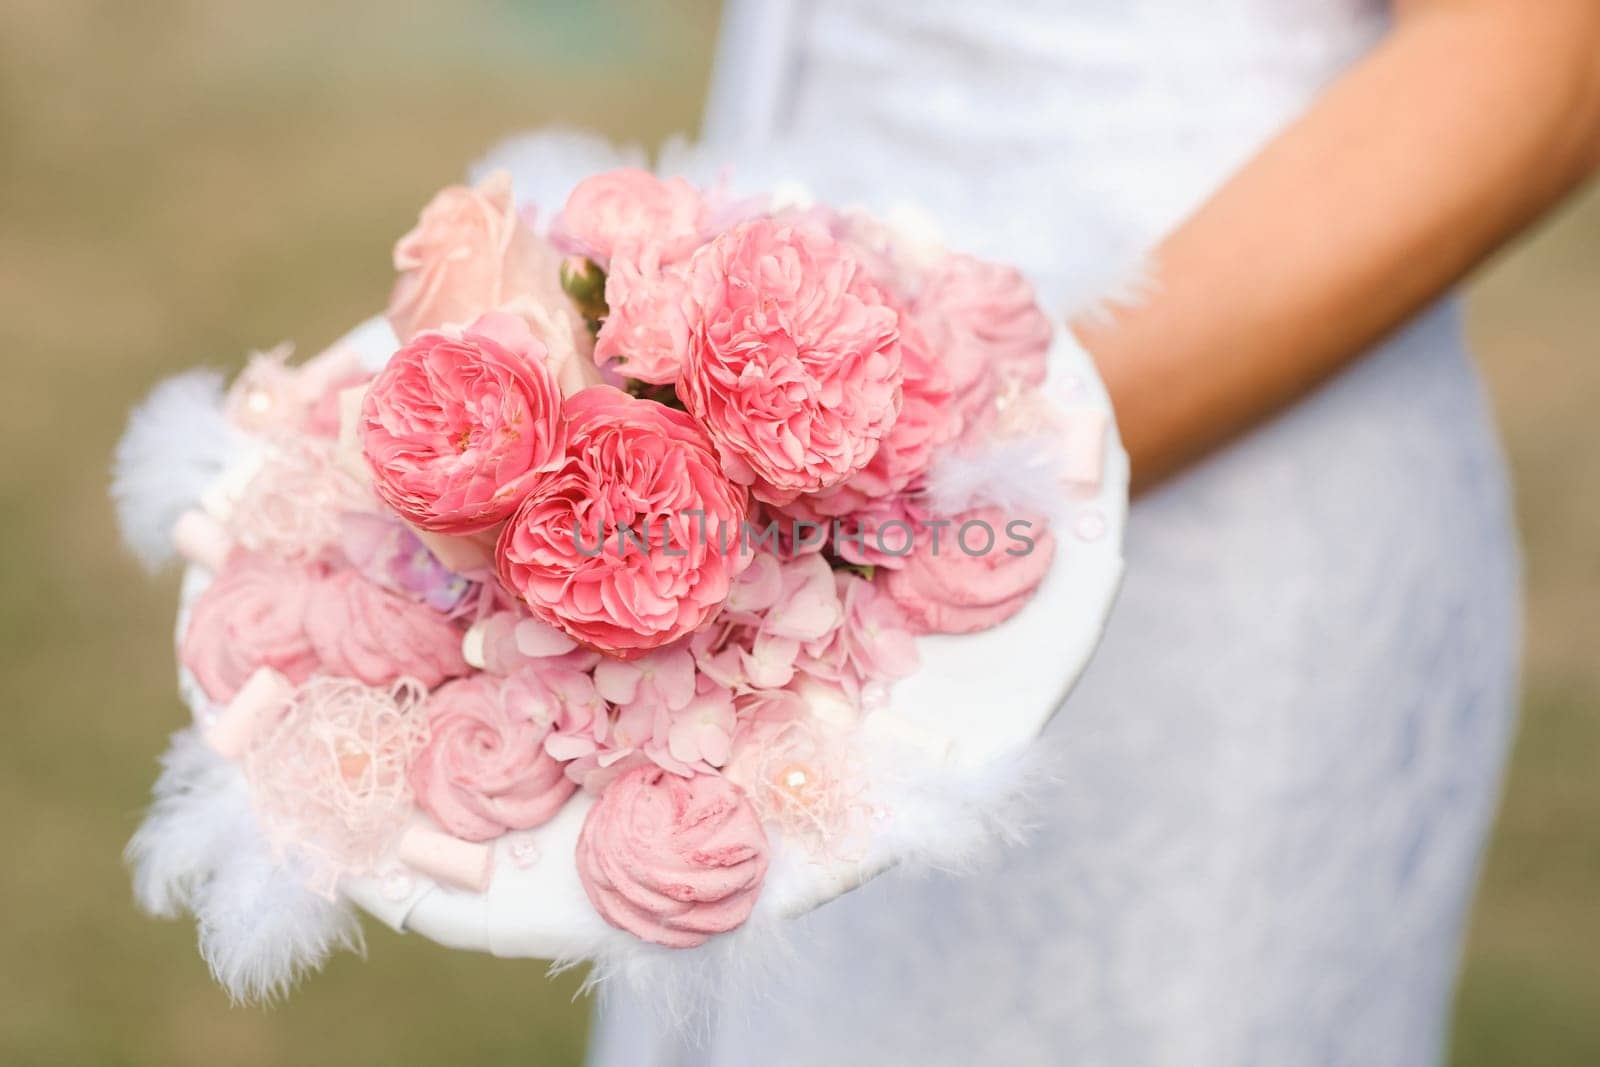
<point>876,508</point>
<point>484,770</point>
<point>620,212</point>
<point>252,615</point>
<point>456,431</point>
<point>672,860</point>
<point>986,325</point>
<point>361,630</point>
<point>647,330</point>
<point>469,253</point>
<point>945,588</point>
<point>794,362</point>
<point>646,467</point>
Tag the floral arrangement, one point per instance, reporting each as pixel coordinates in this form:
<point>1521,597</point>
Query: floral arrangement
<point>639,516</point>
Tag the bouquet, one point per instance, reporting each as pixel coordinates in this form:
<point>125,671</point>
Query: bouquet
<point>654,570</point>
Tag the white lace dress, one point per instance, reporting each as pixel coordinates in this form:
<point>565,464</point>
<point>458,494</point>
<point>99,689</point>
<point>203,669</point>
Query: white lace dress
<point>1279,771</point>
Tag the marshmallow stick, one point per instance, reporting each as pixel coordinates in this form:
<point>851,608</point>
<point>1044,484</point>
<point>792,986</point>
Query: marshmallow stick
<point>463,864</point>
<point>263,692</point>
<point>1083,447</point>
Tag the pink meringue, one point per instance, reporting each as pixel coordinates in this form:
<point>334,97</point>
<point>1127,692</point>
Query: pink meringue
<point>945,588</point>
<point>484,770</point>
<point>361,630</point>
<point>253,615</point>
<point>672,860</point>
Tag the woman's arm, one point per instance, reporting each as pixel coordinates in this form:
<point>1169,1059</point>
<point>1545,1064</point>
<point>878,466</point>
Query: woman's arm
<point>1468,122</point>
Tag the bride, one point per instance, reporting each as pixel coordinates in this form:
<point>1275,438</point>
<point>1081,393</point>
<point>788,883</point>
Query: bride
<point>1277,775</point>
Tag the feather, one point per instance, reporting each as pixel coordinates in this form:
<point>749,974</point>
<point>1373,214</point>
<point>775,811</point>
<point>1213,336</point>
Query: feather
<point>176,445</point>
<point>683,990</point>
<point>201,850</point>
<point>198,800</point>
<point>953,818</point>
<point>1018,475</point>
<point>262,929</point>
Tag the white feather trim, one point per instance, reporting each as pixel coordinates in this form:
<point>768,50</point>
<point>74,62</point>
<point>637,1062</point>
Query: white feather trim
<point>1018,475</point>
<point>201,850</point>
<point>198,799</point>
<point>176,445</point>
<point>262,930</point>
<point>685,989</point>
<point>546,164</point>
<point>954,817</point>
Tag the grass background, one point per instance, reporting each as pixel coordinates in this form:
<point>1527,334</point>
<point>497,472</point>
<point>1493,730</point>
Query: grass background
<point>180,182</point>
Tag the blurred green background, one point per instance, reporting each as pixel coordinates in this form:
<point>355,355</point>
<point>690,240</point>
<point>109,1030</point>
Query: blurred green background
<point>182,182</point>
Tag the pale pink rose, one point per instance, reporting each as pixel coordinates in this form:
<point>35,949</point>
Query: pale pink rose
<point>672,860</point>
<point>948,588</point>
<point>646,467</point>
<point>985,323</point>
<point>568,348</point>
<point>252,615</point>
<point>361,630</point>
<point>484,770</point>
<point>794,362</point>
<point>622,211</point>
<point>469,253</point>
<point>646,332</point>
<point>456,431</point>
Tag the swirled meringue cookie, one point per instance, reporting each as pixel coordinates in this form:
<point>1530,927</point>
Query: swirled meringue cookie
<point>361,630</point>
<point>672,860</point>
<point>484,770</point>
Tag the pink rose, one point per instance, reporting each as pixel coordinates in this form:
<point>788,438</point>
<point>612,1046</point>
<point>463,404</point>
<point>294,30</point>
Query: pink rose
<point>622,211</point>
<point>880,496</point>
<point>672,860</point>
<point>647,331</point>
<point>974,573</point>
<point>984,321</point>
<point>794,363</point>
<point>638,465</point>
<point>469,253</point>
<point>252,615</point>
<point>484,770</point>
<point>456,432</point>
<point>361,630</point>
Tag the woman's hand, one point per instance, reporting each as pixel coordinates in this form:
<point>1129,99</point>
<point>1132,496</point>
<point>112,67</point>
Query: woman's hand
<point>1471,120</point>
